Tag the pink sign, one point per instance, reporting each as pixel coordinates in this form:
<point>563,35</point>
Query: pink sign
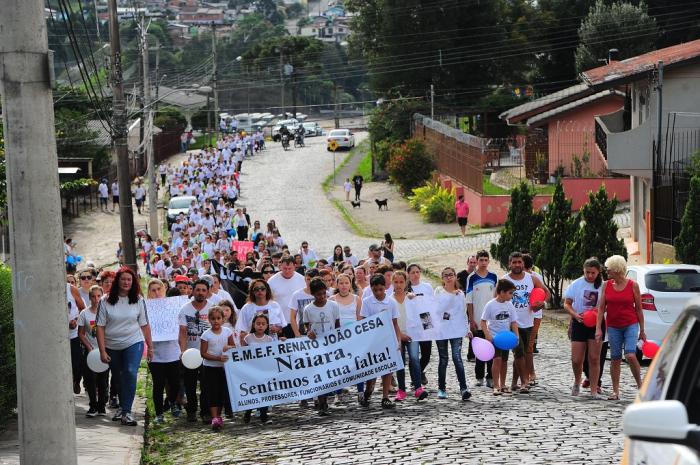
<point>242,247</point>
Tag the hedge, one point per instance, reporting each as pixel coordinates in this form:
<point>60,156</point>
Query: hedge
<point>8,386</point>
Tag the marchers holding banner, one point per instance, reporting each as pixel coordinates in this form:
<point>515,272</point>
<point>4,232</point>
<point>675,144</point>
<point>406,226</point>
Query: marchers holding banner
<point>430,318</point>
<point>289,371</point>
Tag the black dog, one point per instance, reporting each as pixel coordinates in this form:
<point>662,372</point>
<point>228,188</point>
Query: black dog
<point>382,203</point>
<point>355,204</point>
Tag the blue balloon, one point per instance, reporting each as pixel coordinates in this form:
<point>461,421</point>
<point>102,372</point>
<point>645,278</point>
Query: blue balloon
<point>505,340</point>
<point>70,260</point>
<point>78,259</point>
<point>159,249</point>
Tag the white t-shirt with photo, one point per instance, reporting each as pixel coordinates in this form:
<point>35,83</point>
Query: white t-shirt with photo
<point>216,343</point>
<point>322,319</point>
<point>300,299</point>
<point>88,319</point>
<point>498,316</point>
<point>249,310</point>
<point>195,326</point>
<point>583,294</point>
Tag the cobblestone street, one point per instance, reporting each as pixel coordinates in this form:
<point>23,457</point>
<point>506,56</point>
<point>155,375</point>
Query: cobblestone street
<point>547,426</point>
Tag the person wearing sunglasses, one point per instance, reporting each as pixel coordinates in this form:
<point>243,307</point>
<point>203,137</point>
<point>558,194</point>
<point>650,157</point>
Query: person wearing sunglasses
<point>260,302</point>
<point>267,271</point>
<point>85,280</point>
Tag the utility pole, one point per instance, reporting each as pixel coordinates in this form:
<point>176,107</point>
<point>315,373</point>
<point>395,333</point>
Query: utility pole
<point>45,403</point>
<point>282,80</point>
<point>119,138</point>
<point>655,163</point>
<point>336,117</point>
<point>432,101</point>
<point>150,159</point>
<point>214,79</point>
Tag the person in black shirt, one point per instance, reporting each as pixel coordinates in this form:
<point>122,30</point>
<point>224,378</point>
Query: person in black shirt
<point>357,180</point>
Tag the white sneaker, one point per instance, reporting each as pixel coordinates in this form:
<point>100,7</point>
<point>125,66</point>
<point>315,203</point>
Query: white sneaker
<point>575,390</point>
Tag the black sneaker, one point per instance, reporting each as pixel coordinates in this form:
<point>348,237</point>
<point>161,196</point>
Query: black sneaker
<point>101,412</point>
<point>175,410</point>
<point>114,402</point>
<point>388,404</point>
<point>466,395</point>
<point>246,417</point>
<point>117,416</point>
<point>264,418</point>
<point>489,382</point>
<point>92,413</point>
<point>76,387</point>
<point>129,420</point>
<point>423,379</point>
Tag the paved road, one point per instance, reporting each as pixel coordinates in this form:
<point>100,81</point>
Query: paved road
<point>545,427</point>
<point>285,186</point>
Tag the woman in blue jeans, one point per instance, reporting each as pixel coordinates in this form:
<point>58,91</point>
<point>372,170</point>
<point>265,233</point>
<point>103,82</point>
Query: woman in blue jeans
<point>122,327</point>
<point>457,303</point>
<point>399,281</point>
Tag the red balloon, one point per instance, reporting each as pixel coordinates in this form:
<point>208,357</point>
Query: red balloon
<point>650,348</point>
<point>537,296</point>
<point>589,318</point>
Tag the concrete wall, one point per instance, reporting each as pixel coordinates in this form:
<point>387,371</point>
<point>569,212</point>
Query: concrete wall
<point>577,189</point>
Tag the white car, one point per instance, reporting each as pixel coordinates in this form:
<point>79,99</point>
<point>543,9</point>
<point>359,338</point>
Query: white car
<point>292,125</point>
<point>177,205</point>
<point>665,289</point>
<point>343,137</point>
<point>312,129</point>
<point>662,427</point>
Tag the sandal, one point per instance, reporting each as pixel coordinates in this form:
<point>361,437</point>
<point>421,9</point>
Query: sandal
<point>614,396</point>
<point>497,392</point>
<point>524,390</point>
<point>505,390</point>
<point>533,382</point>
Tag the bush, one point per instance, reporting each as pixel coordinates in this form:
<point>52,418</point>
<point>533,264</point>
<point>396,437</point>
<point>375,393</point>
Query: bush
<point>410,165</point>
<point>8,386</point>
<point>519,226</point>
<point>169,119</point>
<point>440,208</point>
<point>421,195</point>
<point>688,240</point>
<point>382,152</point>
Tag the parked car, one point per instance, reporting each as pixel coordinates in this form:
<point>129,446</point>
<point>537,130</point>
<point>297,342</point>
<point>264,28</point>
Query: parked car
<point>665,291</point>
<point>343,137</point>
<point>292,125</point>
<point>177,205</point>
<point>663,425</point>
<point>312,129</point>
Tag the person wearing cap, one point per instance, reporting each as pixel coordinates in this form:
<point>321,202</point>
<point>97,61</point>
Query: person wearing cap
<point>183,284</point>
<point>375,254</point>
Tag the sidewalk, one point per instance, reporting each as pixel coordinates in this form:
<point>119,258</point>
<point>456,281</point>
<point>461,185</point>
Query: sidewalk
<point>118,445</point>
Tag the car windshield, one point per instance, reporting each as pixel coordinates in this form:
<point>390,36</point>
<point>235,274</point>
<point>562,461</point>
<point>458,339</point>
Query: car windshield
<point>673,281</point>
<point>342,132</point>
<point>181,202</point>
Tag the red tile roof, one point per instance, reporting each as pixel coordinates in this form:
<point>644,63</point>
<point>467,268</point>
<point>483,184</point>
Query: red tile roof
<point>624,70</point>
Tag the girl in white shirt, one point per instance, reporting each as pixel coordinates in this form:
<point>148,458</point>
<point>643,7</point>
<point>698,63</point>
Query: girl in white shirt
<point>215,342</point>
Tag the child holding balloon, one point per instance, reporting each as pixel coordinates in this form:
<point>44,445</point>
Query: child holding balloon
<point>498,317</point>
<point>95,383</point>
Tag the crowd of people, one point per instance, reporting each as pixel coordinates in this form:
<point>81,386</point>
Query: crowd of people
<point>292,293</point>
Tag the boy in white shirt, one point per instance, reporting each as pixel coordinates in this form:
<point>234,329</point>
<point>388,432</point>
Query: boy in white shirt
<point>321,316</point>
<point>373,305</point>
<point>499,315</point>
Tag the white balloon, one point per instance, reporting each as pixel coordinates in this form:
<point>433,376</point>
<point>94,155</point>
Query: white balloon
<point>192,359</point>
<point>95,363</point>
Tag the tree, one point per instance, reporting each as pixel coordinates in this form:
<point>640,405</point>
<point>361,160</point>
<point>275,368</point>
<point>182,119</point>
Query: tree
<point>621,25</point>
<point>596,235</point>
<point>392,120</point>
<point>170,119</point>
<point>519,227</point>
<point>688,241</point>
<point>410,165</point>
<point>549,242</point>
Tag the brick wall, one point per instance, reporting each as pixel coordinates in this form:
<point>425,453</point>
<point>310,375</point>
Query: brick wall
<point>459,156</point>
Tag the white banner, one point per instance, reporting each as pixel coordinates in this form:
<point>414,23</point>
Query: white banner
<point>289,371</point>
<point>163,317</point>
<point>431,318</point>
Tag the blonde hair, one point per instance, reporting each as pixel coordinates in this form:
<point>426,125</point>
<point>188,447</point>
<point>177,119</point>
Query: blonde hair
<point>95,287</point>
<point>617,264</point>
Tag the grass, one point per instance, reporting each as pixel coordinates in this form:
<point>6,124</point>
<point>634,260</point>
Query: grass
<point>358,228</point>
<point>491,189</point>
<point>364,169</point>
<point>328,182</point>
<point>201,141</point>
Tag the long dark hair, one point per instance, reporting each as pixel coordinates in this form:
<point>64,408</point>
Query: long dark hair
<point>337,258</point>
<point>255,283</point>
<point>134,292</point>
<point>593,262</point>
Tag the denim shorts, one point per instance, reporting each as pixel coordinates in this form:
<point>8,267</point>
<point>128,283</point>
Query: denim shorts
<point>623,337</point>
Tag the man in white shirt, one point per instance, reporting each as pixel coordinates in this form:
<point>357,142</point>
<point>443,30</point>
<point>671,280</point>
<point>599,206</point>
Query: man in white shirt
<point>103,189</point>
<point>115,194</point>
<point>139,196</point>
<point>283,284</point>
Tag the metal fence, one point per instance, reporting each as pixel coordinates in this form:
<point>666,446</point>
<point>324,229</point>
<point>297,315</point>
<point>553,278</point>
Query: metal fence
<point>671,182</point>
